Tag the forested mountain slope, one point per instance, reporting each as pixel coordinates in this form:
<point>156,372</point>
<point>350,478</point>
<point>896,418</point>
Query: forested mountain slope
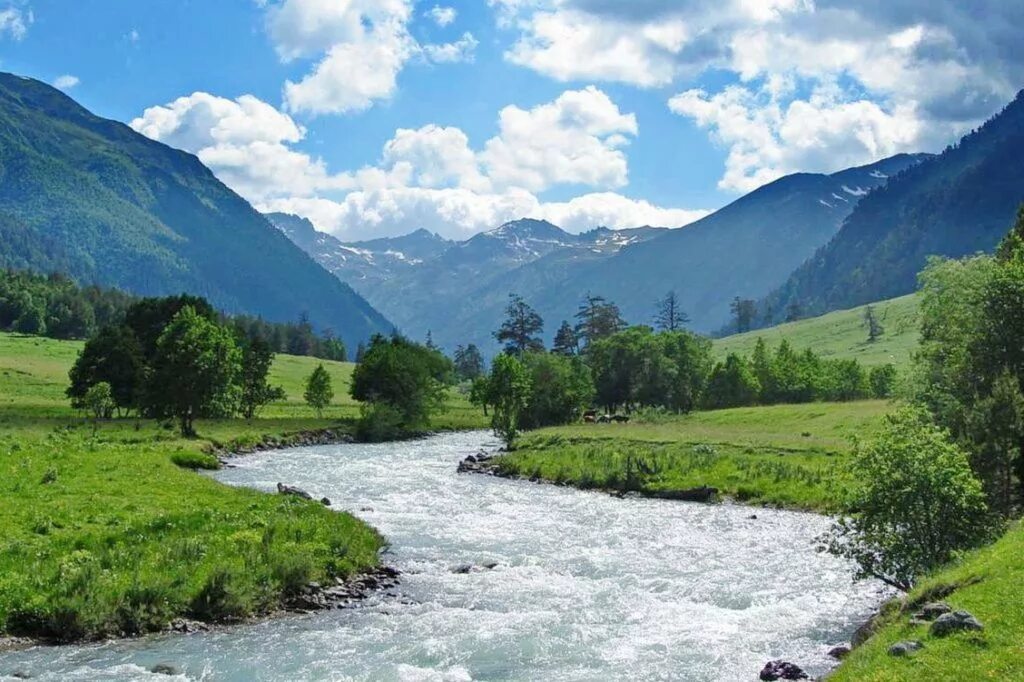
<point>94,199</point>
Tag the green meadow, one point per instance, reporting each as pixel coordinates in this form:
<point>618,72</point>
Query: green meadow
<point>106,532</point>
<point>842,334</point>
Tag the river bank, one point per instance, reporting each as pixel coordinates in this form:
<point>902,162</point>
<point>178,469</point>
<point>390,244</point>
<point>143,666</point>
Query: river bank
<point>505,580</point>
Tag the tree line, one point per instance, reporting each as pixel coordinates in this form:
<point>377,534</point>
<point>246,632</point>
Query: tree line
<point>55,306</point>
<point>599,360</point>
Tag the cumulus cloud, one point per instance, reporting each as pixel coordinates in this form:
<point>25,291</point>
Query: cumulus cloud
<point>442,16</point>
<point>65,82</point>
<point>15,22</point>
<point>461,50</point>
<point>428,177</point>
<point>244,141</point>
<point>576,139</point>
<point>913,73</point>
<point>768,139</point>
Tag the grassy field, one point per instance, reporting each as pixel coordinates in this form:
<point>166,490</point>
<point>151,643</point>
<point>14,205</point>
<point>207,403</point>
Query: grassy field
<point>986,583</point>
<point>103,534</point>
<point>842,334</point>
<point>788,455</point>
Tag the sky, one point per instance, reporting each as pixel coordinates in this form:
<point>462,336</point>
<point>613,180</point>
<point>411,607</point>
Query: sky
<point>378,117</point>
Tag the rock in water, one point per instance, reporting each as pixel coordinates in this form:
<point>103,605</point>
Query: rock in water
<point>292,490</point>
<point>905,648</point>
<point>957,621</point>
<point>164,669</point>
<point>782,670</point>
<point>839,652</point>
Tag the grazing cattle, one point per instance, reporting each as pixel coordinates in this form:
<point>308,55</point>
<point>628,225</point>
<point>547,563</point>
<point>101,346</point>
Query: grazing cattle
<point>590,416</point>
<point>603,419</point>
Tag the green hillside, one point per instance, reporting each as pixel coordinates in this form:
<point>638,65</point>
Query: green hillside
<point>95,200</point>
<point>842,334</point>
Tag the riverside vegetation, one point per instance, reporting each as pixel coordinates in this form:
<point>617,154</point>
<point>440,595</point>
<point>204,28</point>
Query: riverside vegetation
<point>106,529</point>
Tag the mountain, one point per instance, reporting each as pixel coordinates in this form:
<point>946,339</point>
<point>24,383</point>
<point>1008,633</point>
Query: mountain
<point>377,259</point>
<point>958,203</point>
<point>93,198</point>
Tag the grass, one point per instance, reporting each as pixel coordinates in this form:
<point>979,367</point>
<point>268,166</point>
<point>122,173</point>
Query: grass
<point>786,455</point>
<point>986,583</point>
<point>842,334</point>
<point>112,532</point>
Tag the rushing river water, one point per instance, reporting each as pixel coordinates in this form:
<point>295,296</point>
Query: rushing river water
<point>587,586</point>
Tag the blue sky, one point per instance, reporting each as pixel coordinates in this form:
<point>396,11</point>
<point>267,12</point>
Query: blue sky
<point>377,117</point>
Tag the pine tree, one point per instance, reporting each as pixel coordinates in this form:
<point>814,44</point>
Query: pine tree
<point>743,312</point>
<point>521,330</point>
<point>669,316</point>
<point>875,329</point>
<point>597,319</point>
<point>565,342</point>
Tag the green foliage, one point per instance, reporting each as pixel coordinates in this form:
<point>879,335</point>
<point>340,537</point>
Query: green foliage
<point>731,384</point>
<point>194,371</point>
<point>469,363</point>
<point>565,342</point>
<point>915,503</point>
<point>114,357</point>
<point>508,390</point>
<point>560,389</point>
<point>380,422</point>
<point>882,379</point>
<point>319,392</point>
<point>99,402</point>
<point>597,319</point>
<point>192,459</point>
<point>254,391</point>
<point>521,330</point>
<point>408,377</point>
<point>638,368</point>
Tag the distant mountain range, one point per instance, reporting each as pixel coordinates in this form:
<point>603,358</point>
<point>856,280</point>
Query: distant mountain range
<point>94,199</point>
<point>955,204</point>
<point>457,290</point>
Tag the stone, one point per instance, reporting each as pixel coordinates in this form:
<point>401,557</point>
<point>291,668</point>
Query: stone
<point>905,648</point>
<point>462,568</point>
<point>164,669</point>
<point>782,670</point>
<point>325,501</point>
<point>956,621</point>
<point>292,490</point>
<point>932,611</point>
<point>839,652</point>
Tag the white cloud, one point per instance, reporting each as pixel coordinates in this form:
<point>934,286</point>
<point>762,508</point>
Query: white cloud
<point>914,73</point>
<point>244,141</point>
<point>428,177</point>
<point>768,139</point>
<point>461,50</point>
<point>65,82</point>
<point>576,139</point>
<point>15,22</point>
<point>442,16</point>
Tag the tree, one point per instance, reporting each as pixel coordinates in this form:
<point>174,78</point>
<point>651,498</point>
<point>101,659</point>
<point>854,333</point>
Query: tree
<point>744,310</point>
<point>597,319</point>
<point>149,317</point>
<point>794,311</point>
<point>560,388</point>
<point>915,503</point>
<point>409,378</point>
<point>301,339</point>
<point>469,363</point>
<point>429,343</point>
<point>360,352</point>
<point>254,390</point>
<point>882,379</point>
<point>670,316</point>
<point>731,384</point>
<point>521,330</point>
<point>875,329</point>
<point>508,391</point>
<point>319,393</point>
<point>995,430</point>
<point>99,402</point>
<point>114,357</point>
<point>195,370</point>
<point>566,342</point>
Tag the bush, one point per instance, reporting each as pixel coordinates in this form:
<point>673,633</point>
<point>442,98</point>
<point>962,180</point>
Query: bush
<point>190,459</point>
<point>883,381</point>
<point>915,505</point>
<point>379,422</point>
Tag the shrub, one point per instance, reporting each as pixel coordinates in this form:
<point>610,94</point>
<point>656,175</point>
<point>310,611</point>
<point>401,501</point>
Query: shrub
<point>190,459</point>
<point>379,422</point>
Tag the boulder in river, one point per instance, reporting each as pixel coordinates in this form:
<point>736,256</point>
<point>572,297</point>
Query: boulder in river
<point>164,669</point>
<point>782,670</point>
<point>839,652</point>
<point>292,490</point>
<point>956,621</point>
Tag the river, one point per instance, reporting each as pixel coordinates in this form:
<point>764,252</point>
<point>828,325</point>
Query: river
<point>586,587</point>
